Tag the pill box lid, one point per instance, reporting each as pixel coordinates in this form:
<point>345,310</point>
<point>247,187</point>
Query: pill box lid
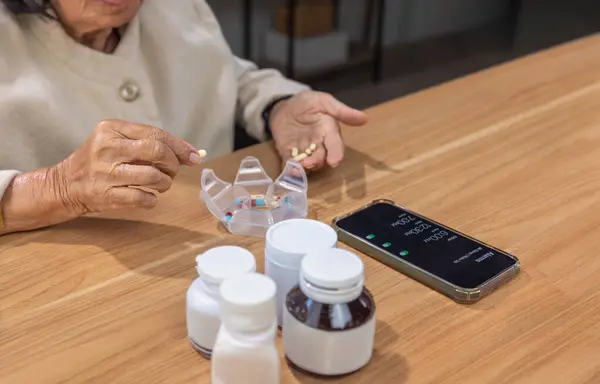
<point>247,303</point>
<point>219,263</point>
<point>333,269</point>
<point>288,241</point>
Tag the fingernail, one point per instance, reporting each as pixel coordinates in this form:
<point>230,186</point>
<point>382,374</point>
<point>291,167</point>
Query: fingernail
<point>195,158</point>
<point>335,165</point>
<point>150,201</point>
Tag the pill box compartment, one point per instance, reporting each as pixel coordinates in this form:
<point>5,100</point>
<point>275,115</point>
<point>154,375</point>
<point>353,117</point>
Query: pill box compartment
<point>254,201</point>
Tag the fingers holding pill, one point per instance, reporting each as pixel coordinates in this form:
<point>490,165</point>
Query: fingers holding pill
<point>122,164</point>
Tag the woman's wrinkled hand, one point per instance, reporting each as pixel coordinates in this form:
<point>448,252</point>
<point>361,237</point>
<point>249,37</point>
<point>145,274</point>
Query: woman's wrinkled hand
<point>122,165</point>
<point>313,118</point>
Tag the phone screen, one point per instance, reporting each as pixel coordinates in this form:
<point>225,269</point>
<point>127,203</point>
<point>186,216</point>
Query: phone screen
<point>427,245</point>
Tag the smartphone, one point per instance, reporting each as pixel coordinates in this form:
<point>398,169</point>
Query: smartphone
<point>443,259</point>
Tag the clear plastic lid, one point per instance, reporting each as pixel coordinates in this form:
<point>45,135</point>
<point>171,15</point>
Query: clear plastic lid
<point>219,263</point>
<point>332,276</point>
<point>287,242</point>
<point>247,303</point>
<point>255,202</point>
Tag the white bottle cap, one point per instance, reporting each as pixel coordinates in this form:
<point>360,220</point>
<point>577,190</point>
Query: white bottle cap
<point>217,264</point>
<point>332,276</point>
<point>248,303</point>
<point>288,241</point>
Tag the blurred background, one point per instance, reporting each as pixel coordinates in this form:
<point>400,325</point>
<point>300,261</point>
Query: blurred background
<point>366,52</point>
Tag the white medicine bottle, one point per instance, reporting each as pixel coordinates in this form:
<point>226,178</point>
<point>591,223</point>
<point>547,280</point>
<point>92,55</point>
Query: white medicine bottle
<point>286,244</point>
<point>245,351</point>
<point>202,301</point>
<point>329,320</point>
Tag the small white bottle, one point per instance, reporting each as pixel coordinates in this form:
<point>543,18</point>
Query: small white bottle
<point>286,244</point>
<point>245,350</point>
<point>202,301</point>
<point>329,320</point>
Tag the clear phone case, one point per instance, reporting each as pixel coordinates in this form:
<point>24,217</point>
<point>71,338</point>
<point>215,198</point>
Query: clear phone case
<point>458,294</point>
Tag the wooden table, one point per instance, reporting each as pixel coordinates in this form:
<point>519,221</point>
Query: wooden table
<point>510,155</point>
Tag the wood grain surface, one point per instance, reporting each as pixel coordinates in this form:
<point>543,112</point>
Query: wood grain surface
<point>510,155</point>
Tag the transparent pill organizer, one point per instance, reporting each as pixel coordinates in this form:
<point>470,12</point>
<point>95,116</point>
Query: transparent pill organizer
<point>254,201</point>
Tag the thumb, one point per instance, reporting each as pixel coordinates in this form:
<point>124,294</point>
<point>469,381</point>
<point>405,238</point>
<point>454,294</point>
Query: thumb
<point>341,112</point>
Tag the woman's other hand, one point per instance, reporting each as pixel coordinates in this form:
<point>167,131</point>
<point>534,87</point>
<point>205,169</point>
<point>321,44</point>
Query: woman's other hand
<point>105,173</point>
<point>313,118</point>
<point>121,165</point>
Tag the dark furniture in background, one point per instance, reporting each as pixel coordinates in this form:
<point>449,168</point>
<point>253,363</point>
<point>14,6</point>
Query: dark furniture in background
<point>370,52</point>
<point>374,18</point>
<point>374,76</point>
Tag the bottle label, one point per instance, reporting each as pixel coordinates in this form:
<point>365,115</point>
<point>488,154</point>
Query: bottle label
<point>245,362</point>
<point>202,319</point>
<point>327,353</point>
<point>207,353</point>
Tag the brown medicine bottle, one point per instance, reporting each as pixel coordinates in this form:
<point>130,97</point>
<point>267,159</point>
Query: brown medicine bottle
<point>329,318</point>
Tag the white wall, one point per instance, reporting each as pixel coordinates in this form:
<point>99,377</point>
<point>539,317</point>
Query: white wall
<point>406,20</point>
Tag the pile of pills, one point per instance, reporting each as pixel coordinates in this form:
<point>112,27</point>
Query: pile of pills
<point>301,156</point>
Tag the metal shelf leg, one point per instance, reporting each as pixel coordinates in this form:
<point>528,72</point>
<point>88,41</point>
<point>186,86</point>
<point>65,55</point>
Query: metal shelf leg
<point>291,52</point>
<point>248,7</point>
<point>377,71</point>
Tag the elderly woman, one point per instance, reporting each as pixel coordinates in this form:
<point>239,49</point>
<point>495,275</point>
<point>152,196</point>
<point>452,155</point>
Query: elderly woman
<point>97,96</point>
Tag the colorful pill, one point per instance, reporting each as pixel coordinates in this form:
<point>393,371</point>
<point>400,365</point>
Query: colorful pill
<point>259,202</point>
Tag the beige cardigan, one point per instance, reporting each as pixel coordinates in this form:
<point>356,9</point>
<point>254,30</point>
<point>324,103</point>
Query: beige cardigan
<point>172,69</point>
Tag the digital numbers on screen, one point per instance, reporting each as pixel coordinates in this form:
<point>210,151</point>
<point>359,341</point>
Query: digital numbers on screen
<point>429,233</point>
<point>432,247</point>
<point>418,228</point>
<point>439,235</point>
<point>404,219</point>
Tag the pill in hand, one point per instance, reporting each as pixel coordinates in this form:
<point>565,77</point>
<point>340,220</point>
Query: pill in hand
<point>300,157</point>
